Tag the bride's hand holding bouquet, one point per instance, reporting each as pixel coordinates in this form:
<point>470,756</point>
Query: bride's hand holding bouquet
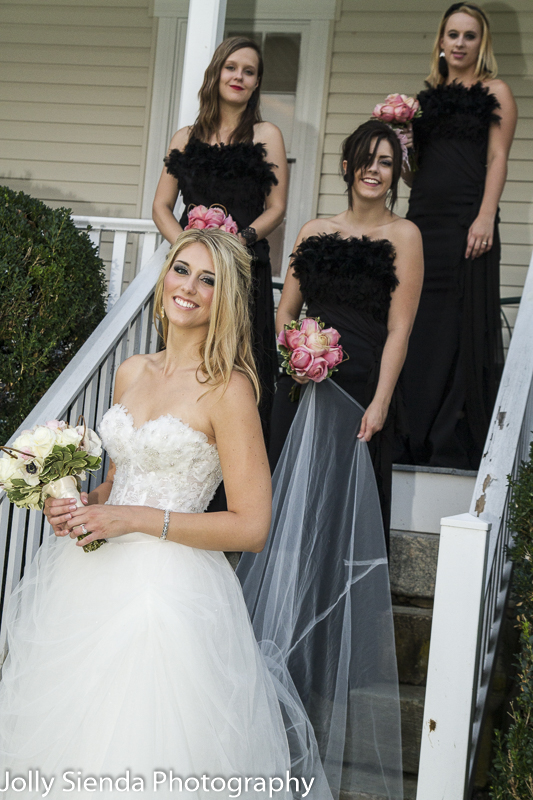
<point>50,460</point>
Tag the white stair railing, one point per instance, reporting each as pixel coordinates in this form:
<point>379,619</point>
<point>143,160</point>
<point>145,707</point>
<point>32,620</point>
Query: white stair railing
<point>84,387</point>
<point>472,585</point>
<point>122,228</point>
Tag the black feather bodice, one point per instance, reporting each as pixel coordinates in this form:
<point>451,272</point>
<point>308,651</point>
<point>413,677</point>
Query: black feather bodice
<point>234,175</point>
<point>355,273</point>
<point>455,111</point>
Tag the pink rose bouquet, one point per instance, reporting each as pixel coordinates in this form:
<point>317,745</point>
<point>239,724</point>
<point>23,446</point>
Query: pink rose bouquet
<point>398,111</point>
<point>310,350</point>
<point>202,218</point>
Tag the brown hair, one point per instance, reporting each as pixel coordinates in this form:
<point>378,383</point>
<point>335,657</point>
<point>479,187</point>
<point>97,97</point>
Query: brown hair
<point>208,118</point>
<point>357,152</point>
<point>228,345</point>
<point>486,66</point>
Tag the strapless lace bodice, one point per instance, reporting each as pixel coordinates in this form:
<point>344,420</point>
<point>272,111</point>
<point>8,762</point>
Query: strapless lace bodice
<point>164,464</point>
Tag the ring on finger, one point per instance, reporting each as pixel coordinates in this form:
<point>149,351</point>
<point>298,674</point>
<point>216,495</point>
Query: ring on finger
<point>484,244</point>
<point>84,529</point>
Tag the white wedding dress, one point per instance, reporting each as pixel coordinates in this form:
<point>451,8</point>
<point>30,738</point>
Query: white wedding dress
<point>139,656</point>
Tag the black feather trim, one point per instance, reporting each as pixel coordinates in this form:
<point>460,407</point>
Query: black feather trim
<point>204,166</point>
<point>455,111</point>
<point>356,272</point>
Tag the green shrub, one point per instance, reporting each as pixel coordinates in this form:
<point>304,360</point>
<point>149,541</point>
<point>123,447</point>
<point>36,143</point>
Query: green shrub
<point>52,296</point>
<point>512,777</point>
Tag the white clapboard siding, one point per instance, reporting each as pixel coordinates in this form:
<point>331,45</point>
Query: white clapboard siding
<point>383,46</point>
<point>75,84</point>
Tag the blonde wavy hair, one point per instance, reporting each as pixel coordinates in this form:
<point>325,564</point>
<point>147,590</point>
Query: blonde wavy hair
<point>228,345</point>
<point>486,66</point>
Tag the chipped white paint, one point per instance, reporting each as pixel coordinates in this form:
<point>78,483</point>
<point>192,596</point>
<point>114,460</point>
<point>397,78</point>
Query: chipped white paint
<point>506,425</point>
<point>472,584</point>
<point>452,658</point>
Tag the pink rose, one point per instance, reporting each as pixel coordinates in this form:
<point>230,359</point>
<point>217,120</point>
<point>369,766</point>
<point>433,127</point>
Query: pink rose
<point>333,336</point>
<point>333,357</point>
<point>387,113</point>
<point>197,212</point>
<point>214,218</point>
<point>196,224</point>
<point>413,103</point>
<point>55,424</point>
<point>309,325</point>
<point>319,370</point>
<point>301,360</point>
<point>230,225</point>
<point>317,343</point>
<point>377,110</point>
<point>281,339</point>
<point>295,338</point>
<point>402,113</point>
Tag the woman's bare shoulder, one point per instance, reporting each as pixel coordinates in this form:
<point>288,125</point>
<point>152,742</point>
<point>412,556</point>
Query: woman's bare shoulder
<point>180,138</point>
<point>499,89</point>
<point>404,233</point>
<point>318,226</point>
<point>132,369</point>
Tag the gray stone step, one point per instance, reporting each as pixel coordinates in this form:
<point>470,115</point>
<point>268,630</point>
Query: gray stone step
<point>412,709</point>
<point>409,791</point>
<point>412,630</point>
<point>413,564</point>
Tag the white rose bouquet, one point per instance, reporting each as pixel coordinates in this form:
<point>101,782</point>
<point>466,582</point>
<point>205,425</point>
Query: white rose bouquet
<point>50,459</point>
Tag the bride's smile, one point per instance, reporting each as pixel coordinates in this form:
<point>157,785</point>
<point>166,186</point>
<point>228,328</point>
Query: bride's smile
<point>189,287</point>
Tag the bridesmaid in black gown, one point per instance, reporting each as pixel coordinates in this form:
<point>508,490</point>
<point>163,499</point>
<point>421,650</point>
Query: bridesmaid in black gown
<point>361,273</point>
<point>229,157</point>
<point>451,374</point>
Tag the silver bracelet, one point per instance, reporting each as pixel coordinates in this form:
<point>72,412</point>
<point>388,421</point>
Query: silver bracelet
<point>164,532</point>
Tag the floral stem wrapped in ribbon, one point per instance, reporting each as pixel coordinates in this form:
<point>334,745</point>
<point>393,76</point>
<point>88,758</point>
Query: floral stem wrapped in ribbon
<point>201,217</point>
<point>310,350</point>
<point>398,111</point>
<point>50,459</point>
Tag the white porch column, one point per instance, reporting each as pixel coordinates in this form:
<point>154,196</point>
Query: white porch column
<point>459,592</point>
<point>205,28</point>
<point>179,66</point>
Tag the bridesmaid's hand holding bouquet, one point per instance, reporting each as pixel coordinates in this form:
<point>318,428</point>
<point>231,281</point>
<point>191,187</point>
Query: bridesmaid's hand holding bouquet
<point>398,111</point>
<point>311,352</point>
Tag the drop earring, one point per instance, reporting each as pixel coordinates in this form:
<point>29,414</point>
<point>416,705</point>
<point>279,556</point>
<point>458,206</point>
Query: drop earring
<point>162,311</point>
<point>443,65</point>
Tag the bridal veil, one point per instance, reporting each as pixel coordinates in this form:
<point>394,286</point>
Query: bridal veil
<point>319,599</point>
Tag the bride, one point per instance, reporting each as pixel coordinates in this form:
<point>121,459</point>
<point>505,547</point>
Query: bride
<point>134,668</point>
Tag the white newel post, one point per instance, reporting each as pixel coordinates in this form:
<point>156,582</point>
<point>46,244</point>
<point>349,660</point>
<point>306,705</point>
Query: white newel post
<point>459,592</point>
<point>205,29</point>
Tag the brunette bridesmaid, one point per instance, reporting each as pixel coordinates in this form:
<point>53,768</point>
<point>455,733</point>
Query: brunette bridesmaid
<point>230,157</point>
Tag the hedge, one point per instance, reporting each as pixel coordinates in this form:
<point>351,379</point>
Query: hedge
<point>52,296</point>
<point>512,777</point>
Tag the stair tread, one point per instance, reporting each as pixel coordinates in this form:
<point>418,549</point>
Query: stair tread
<point>413,611</point>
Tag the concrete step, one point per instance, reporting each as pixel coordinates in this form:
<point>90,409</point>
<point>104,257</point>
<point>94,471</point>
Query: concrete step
<point>421,496</point>
<point>409,791</point>
<point>412,710</point>
<point>413,564</point>
<point>412,630</point>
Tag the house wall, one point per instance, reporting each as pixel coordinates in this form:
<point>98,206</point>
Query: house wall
<point>383,46</point>
<point>75,82</point>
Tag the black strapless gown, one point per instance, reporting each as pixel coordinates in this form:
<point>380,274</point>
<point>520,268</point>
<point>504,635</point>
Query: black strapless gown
<point>348,284</point>
<point>451,374</point>
<point>237,177</point>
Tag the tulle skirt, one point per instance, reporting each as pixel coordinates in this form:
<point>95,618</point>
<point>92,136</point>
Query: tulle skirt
<point>137,660</point>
